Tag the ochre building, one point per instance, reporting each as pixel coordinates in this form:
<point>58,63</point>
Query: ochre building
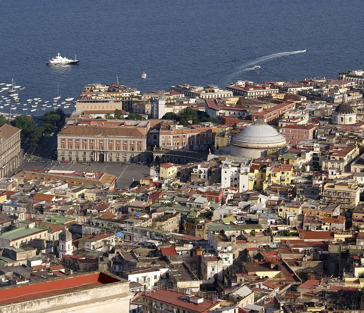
<point>11,153</point>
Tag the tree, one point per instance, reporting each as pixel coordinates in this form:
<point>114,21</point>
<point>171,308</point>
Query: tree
<point>134,116</point>
<point>189,116</point>
<point>53,118</point>
<point>26,124</point>
<point>171,116</point>
<point>118,114</point>
<point>108,116</point>
<point>3,120</point>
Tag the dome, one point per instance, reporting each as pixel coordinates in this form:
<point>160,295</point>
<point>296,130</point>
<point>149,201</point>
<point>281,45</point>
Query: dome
<point>65,235</point>
<point>344,108</point>
<point>259,135</point>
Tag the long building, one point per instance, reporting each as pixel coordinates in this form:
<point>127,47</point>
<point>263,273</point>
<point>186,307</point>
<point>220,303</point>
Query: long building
<point>161,301</point>
<point>106,98</point>
<point>207,92</point>
<point>103,141</point>
<point>249,90</point>
<point>93,292</point>
<point>189,138</point>
<point>11,153</point>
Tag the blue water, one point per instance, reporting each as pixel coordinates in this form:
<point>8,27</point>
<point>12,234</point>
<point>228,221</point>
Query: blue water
<point>185,41</point>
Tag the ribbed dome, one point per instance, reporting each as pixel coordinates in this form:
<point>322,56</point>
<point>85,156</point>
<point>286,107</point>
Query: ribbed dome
<point>65,235</point>
<point>259,135</point>
<point>344,108</point>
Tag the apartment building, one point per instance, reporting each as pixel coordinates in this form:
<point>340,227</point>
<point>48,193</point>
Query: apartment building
<point>162,301</point>
<point>297,133</point>
<point>346,194</point>
<point>273,113</point>
<point>249,90</point>
<point>107,98</point>
<point>235,173</point>
<point>339,158</point>
<point>196,138</point>
<point>207,92</point>
<point>11,153</point>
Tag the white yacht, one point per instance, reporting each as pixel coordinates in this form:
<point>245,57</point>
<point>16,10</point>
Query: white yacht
<point>144,75</point>
<point>60,60</point>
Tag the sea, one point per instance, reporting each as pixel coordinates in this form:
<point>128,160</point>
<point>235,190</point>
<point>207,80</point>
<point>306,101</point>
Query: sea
<point>199,42</point>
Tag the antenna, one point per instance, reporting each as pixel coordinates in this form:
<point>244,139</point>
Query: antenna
<point>117,79</point>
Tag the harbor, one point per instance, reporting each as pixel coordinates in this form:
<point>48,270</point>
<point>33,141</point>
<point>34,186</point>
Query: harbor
<point>13,102</point>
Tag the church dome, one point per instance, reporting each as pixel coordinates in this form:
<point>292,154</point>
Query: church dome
<point>259,135</point>
<point>65,235</point>
<point>257,141</point>
<point>344,108</point>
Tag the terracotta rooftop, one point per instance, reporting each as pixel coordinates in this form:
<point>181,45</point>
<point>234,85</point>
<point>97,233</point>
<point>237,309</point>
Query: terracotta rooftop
<point>96,130</point>
<point>168,251</point>
<point>318,235</point>
<point>52,288</point>
<point>178,299</point>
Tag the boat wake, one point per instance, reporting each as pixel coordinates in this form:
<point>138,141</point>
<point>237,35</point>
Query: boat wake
<point>248,69</point>
<point>250,66</point>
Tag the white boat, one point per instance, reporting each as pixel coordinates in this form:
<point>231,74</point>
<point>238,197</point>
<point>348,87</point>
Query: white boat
<point>256,67</point>
<point>60,60</point>
<point>57,98</point>
<point>144,75</point>
<point>69,99</point>
<point>12,90</point>
<point>33,110</point>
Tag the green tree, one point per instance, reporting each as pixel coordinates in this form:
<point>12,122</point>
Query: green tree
<point>52,117</point>
<point>108,116</point>
<point>35,139</point>
<point>118,114</point>
<point>189,116</point>
<point>26,124</point>
<point>171,116</point>
<point>134,116</point>
<point>3,120</point>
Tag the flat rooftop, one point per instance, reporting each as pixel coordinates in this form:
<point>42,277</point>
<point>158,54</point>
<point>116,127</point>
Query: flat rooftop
<point>21,232</point>
<point>55,287</point>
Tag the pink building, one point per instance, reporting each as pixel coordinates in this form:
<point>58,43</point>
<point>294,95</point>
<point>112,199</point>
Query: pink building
<point>297,133</point>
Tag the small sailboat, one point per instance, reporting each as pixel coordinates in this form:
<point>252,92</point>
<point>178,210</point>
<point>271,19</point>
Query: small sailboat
<point>144,75</point>
<point>12,90</point>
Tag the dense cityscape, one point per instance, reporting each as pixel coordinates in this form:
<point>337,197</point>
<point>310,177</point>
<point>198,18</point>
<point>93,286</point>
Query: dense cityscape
<point>196,199</point>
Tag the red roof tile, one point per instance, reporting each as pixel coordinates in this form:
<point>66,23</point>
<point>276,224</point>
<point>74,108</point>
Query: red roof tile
<point>176,299</point>
<point>168,251</point>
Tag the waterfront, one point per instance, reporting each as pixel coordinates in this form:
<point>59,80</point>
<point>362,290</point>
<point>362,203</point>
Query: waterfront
<point>204,42</point>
